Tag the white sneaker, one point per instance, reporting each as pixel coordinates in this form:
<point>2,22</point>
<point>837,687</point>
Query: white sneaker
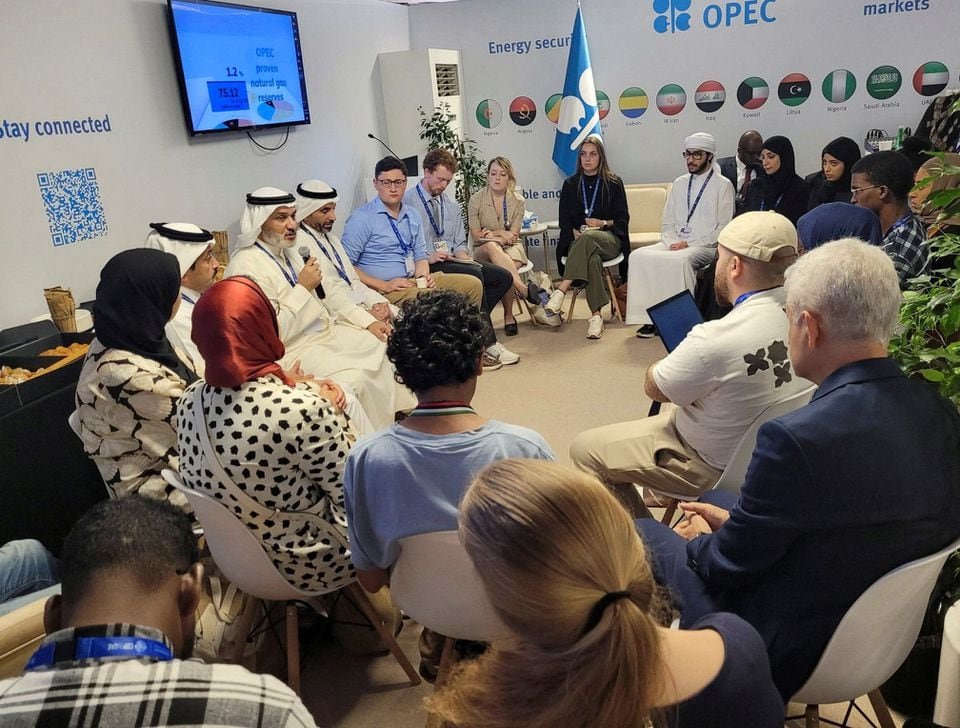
<point>502,354</point>
<point>595,327</point>
<point>544,317</point>
<point>555,303</point>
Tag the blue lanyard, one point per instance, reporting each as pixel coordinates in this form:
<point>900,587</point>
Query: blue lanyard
<point>744,296</point>
<point>406,249</point>
<point>338,263</point>
<point>86,648</point>
<point>902,222</point>
<point>593,200</point>
<point>506,225</point>
<point>763,204</point>
<point>187,298</point>
<point>289,274</point>
<point>691,210</point>
<point>438,229</point>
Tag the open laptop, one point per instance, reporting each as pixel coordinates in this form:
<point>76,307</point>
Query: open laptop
<point>674,317</point>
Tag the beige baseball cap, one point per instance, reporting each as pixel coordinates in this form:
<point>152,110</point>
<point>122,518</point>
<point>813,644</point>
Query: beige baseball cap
<point>759,235</point>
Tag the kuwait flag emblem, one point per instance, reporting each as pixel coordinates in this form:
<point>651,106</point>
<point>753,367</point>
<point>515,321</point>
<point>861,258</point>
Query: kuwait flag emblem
<point>753,92</point>
<point>794,89</point>
<point>710,96</point>
<point>839,86</point>
<point>489,113</point>
<point>671,99</point>
<point>634,102</point>
<point>931,78</point>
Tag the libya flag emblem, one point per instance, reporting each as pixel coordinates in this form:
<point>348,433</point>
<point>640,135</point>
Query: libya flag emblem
<point>794,89</point>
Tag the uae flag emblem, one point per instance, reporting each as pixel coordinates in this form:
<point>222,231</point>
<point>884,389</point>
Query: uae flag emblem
<point>839,86</point>
<point>710,96</point>
<point>671,99</point>
<point>794,89</point>
<point>931,78</point>
<point>753,93</point>
<point>489,113</point>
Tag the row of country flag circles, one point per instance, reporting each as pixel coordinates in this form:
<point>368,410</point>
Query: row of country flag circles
<point>793,90</point>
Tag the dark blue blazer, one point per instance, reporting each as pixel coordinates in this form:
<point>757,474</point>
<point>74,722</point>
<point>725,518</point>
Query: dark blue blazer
<point>863,479</point>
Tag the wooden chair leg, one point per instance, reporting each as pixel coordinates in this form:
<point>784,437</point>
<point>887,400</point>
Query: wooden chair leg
<point>614,303</point>
<point>880,708</point>
<point>446,662</point>
<point>670,512</point>
<point>363,602</point>
<point>812,717</point>
<point>293,648</point>
<point>243,630</point>
<point>573,302</point>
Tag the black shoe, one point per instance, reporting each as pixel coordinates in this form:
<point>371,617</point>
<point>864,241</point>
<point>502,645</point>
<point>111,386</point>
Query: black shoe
<point>510,329</point>
<point>647,331</point>
<point>536,295</point>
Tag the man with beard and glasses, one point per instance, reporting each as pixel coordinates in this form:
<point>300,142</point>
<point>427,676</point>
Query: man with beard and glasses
<point>699,205</point>
<point>719,378</point>
<point>119,638</point>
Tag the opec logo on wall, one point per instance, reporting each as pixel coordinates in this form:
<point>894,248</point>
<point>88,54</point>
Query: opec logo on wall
<point>674,16</point>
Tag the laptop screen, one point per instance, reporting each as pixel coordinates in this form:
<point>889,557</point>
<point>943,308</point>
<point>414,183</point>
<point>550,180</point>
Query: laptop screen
<point>674,317</point>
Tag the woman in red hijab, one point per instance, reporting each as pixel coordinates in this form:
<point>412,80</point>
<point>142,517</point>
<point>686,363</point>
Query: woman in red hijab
<point>275,441</point>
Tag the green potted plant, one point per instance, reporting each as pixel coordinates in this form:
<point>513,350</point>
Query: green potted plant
<point>927,343</point>
<point>437,130</point>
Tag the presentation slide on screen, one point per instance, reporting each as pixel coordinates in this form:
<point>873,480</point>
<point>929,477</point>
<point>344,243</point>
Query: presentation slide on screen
<point>240,67</point>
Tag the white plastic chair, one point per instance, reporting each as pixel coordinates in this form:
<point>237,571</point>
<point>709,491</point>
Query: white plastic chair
<point>873,639</point>
<point>243,560</point>
<point>436,584</point>
<point>608,277</point>
<point>731,479</point>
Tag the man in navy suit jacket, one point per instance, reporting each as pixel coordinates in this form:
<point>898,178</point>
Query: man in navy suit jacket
<point>747,157</point>
<point>860,481</point>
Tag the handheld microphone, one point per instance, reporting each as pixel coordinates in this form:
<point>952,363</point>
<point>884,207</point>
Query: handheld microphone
<point>305,254</point>
<point>384,144</point>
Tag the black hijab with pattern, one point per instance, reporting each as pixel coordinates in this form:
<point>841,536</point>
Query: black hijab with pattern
<point>135,298</point>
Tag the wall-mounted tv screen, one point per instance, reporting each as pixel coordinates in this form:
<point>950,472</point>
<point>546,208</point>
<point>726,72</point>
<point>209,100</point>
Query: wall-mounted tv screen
<point>240,68</point>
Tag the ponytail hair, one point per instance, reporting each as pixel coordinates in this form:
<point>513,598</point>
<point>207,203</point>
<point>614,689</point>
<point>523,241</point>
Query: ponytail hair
<point>550,543</point>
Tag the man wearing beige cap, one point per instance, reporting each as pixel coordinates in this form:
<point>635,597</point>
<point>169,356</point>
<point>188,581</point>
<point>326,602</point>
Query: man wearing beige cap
<point>720,377</point>
<point>192,246</point>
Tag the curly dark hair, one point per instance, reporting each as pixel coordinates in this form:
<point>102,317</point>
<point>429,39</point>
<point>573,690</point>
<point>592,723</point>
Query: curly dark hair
<point>437,340</point>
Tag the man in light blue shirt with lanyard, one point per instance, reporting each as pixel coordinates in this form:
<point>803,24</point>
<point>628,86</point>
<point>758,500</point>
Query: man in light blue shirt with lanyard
<point>446,238</point>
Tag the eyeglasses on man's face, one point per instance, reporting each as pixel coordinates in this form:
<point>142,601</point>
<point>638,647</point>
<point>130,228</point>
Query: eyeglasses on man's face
<point>694,154</point>
<point>394,183</point>
<point>854,191</point>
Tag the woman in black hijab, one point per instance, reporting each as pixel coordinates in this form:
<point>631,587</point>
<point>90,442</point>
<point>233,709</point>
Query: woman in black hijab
<point>780,188</point>
<point>832,182</point>
<point>132,379</point>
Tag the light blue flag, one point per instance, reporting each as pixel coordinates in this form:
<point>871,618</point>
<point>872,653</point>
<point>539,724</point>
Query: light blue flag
<point>579,116</point>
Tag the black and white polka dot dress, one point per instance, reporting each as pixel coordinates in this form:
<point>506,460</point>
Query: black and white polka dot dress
<point>285,448</point>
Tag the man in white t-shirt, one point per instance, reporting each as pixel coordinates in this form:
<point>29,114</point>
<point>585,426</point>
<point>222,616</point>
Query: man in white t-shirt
<point>720,377</point>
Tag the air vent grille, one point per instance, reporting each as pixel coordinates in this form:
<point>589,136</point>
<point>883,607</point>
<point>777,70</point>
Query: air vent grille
<point>448,79</point>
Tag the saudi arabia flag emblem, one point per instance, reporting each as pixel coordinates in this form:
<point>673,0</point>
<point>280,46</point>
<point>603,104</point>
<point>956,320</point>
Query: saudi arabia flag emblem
<point>931,78</point>
<point>710,96</point>
<point>839,86</point>
<point>489,113</point>
<point>671,99</point>
<point>753,92</point>
<point>884,82</point>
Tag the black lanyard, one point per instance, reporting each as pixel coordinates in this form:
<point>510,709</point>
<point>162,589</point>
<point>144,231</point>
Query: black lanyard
<point>691,210</point>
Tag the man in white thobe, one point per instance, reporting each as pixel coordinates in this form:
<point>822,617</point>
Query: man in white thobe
<point>192,246</point>
<point>700,204</point>
<point>324,346</point>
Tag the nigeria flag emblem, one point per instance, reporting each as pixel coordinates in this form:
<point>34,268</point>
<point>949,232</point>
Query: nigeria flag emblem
<point>839,86</point>
<point>753,93</point>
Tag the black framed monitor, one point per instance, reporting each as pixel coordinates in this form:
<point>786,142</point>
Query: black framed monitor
<point>239,67</point>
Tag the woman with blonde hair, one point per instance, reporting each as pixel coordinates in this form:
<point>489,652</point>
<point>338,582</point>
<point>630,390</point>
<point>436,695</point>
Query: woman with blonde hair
<point>568,575</point>
<point>495,215</point>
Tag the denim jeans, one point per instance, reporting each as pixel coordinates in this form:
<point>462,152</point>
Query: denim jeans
<point>25,567</point>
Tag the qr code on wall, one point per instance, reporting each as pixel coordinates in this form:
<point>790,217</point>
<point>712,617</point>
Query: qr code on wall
<point>71,198</point>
